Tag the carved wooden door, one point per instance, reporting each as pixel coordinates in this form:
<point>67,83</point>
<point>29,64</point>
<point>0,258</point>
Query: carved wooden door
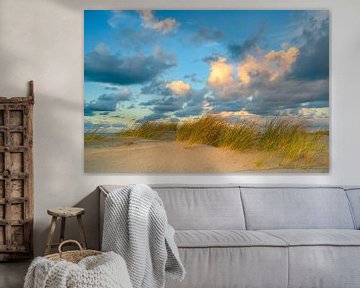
<point>16,177</point>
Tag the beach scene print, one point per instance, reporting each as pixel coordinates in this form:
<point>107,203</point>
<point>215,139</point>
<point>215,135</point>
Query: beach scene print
<point>206,91</point>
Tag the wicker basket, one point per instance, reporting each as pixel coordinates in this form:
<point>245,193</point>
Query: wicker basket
<point>72,256</point>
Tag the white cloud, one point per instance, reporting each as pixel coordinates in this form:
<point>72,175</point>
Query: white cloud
<point>314,112</point>
<point>272,66</point>
<point>221,73</point>
<point>164,26</point>
<point>179,87</point>
<point>115,18</point>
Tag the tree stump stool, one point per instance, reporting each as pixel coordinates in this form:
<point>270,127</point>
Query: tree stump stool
<point>64,213</point>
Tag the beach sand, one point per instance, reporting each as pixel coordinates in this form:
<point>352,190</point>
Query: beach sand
<point>132,155</point>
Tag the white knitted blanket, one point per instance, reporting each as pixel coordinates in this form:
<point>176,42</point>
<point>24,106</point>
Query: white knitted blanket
<point>103,271</point>
<point>136,227</point>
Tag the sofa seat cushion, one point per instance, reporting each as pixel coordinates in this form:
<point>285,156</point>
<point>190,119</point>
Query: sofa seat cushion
<point>225,238</point>
<point>235,267</point>
<point>323,258</point>
<point>317,237</point>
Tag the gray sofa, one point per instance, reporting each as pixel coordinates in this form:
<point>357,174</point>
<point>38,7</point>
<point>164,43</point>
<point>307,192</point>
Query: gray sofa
<point>246,236</point>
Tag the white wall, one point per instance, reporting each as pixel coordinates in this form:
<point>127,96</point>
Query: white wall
<point>43,40</point>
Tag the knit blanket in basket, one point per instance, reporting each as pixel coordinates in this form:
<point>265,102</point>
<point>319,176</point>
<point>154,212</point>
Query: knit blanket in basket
<point>107,270</point>
<point>136,227</point>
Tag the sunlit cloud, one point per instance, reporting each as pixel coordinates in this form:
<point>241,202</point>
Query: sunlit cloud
<point>179,87</point>
<point>314,112</point>
<point>272,66</point>
<point>235,113</point>
<point>241,115</point>
<point>280,62</point>
<point>164,26</point>
<point>221,73</point>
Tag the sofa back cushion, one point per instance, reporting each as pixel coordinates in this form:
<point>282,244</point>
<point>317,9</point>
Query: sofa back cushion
<point>296,208</point>
<point>203,208</point>
<point>354,198</point>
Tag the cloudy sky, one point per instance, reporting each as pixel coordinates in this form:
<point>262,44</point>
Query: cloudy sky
<point>174,65</point>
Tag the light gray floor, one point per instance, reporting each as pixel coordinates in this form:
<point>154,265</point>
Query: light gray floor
<point>12,274</point>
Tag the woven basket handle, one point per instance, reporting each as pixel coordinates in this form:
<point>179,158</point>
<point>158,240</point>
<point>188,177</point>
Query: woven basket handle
<point>69,241</point>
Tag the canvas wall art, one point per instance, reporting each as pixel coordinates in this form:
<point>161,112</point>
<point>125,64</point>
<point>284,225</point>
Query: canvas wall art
<point>203,91</point>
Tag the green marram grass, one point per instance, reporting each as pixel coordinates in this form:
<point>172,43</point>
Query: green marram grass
<point>288,138</point>
<point>152,130</point>
<point>94,136</point>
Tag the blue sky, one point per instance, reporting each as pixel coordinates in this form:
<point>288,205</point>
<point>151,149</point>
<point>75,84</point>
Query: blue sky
<point>175,65</point>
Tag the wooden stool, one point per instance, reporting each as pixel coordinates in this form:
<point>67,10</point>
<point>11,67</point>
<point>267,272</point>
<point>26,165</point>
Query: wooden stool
<point>64,213</point>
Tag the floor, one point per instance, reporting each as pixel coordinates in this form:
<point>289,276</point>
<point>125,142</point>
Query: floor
<point>12,274</point>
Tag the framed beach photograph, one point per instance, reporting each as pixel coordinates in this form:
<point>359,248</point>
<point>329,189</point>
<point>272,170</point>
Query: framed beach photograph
<point>206,91</point>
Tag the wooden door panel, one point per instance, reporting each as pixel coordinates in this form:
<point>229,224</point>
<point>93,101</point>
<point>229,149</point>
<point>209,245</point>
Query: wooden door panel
<point>2,117</point>
<point>2,189</point>
<point>16,139</point>
<point>2,162</point>
<point>16,118</point>
<point>2,235</point>
<point>16,183</point>
<point>17,211</point>
<point>17,235</point>
<point>2,212</point>
<point>16,162</point>
<point>17,188</point>
<point>2,139</point>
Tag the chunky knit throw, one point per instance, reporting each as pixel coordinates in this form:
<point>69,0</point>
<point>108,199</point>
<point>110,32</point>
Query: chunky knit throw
<point>103,271</point>
<point>136,227</point>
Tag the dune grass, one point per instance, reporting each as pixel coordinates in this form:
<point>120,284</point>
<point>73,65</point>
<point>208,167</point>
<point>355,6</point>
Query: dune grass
<point>93,136</point>
<point>206,130</point>
<point>285,137</point>
<point>152,130</point>
<point>211,130</point>
<point>292,139</point>
<point>240,136</point>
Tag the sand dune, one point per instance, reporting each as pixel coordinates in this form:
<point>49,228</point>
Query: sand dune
<point>129,155</point>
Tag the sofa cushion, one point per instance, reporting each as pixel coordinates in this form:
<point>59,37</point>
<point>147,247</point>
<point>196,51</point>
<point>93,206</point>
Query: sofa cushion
<point>354,198</point>
<point>322,258</point>
<point>226,238</point>
<point>315,237</point>
<point>204,208</point>
<point>191,207</point>
<point>324,266</point>
<point>296,208</point>
<point>220,267</point>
